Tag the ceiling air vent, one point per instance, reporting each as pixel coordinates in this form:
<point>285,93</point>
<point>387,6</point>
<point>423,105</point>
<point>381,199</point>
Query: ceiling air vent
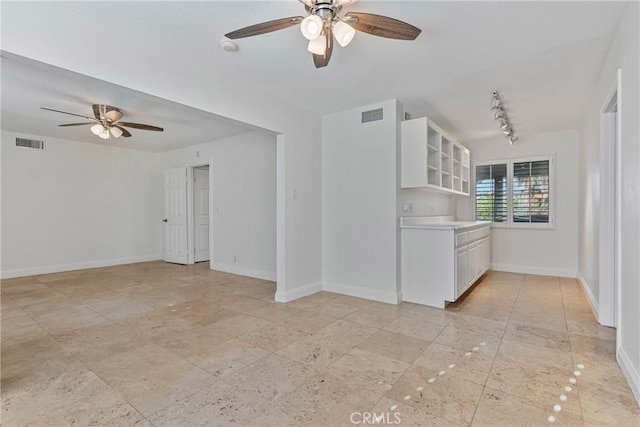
<point>30,143</point>
<point>372,115</point>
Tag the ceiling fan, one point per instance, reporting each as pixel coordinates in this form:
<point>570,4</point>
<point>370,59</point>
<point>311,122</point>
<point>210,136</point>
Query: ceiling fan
<point>106,122</point>
<point>324,22</point>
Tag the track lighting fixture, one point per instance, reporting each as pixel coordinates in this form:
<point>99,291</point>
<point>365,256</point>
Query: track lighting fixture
<point>502,117</point>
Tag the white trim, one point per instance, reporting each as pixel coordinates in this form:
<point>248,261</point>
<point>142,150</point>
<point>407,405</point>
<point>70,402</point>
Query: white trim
<point>609,210</point>
<point>22,272</point>
<point>540,271</point>
<point>299,292</point>
<point>593,302</point>
<point>243,271</point>
<point>281,214</point>
<point>361,292</point>
<point>618,219</point>
<point>630,373</point>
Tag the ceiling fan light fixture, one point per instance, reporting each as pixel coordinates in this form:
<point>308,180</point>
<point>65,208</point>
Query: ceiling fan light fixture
<point>311,27</point>
<point>318,46</point>
<point>105,134</point>
<point>344,33</point>
<point>97,129</point>
<point>116,132</point>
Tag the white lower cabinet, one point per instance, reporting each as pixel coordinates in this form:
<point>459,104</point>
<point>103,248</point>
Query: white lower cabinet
<point>439,265</point>
<point>462,265</point>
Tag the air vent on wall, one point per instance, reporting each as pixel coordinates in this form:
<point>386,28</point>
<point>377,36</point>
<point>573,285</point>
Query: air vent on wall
<point>30,143</point>
<point>372,115</point>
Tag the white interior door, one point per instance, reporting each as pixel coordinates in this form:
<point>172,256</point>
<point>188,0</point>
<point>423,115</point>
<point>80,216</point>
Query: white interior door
<point>175,216</point>
<point>201,213</point>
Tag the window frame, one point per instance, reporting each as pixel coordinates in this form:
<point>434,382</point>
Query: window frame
<point>510,162</point>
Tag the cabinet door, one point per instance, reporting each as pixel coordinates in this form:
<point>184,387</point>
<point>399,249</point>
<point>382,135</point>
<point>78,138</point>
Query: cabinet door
<point>484,255</point>
<point>474,262</point>
<point>413,147</point>
<point>462,264</point>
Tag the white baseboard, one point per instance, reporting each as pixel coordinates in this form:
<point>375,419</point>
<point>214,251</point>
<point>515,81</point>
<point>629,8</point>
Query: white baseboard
<point>243,271</point>
<point>593,302</point>
<point>630,372</point>
<point>299,292</point>
<point>32,271</point>
<point>361,292</point>
<point>541,271</point>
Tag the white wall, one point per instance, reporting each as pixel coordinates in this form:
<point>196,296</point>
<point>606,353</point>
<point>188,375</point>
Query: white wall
<point>624,55</point>
<point>77,205</point>
<point>359,203</point>
<point>244,200</point>
<point>549,251</point>
<point>425,202</point>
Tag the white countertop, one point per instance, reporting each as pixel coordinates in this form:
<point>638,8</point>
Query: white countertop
<point>439,223</point>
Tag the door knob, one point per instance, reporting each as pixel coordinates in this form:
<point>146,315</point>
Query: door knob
<point>165,220</point>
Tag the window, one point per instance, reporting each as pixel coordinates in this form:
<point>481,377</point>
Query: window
<point>530,192</point>
<point>491,192</point>
<point>515,192</point>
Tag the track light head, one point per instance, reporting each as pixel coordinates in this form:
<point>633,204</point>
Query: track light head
<point>502,117</point>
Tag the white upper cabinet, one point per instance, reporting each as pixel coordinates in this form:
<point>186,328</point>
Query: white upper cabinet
<point>432,159</point>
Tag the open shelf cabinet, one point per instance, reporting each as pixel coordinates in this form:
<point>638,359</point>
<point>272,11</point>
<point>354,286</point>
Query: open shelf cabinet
<point>432,159</point>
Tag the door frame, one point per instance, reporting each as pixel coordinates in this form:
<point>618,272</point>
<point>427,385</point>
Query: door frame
<point>190,210</point>
<point>609,264</point>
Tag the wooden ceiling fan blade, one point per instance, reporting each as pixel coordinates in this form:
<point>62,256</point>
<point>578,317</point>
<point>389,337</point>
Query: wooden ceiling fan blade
<point>64,112</point>
<point>383,26</point>
<point>78,124</point>
<point>323,60</point>
<point>125,133</point>
<point>97,111</point>
<point>264,27</point>
<point>140,126</point>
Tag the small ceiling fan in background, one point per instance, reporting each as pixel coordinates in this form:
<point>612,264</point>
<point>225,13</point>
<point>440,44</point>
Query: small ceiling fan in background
<point>106,122</point>
<point>324,22</point>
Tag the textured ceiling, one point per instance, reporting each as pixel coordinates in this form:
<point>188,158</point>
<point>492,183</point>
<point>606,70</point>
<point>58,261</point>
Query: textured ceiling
<point>542,56</point>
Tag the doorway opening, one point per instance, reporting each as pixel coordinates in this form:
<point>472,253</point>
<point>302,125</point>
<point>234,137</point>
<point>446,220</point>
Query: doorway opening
<point>199,232</point>
<point>610,210</point>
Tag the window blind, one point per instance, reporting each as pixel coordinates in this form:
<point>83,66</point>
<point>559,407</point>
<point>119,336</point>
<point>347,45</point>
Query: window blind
<point>530,189</point>
<point>491,192</point>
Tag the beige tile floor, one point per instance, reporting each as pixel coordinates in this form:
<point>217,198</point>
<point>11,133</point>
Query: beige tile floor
<point>167,345</point>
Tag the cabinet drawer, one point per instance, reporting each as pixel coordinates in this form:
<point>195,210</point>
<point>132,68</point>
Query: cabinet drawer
<point>478,234</point>
<point>462,238</point>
